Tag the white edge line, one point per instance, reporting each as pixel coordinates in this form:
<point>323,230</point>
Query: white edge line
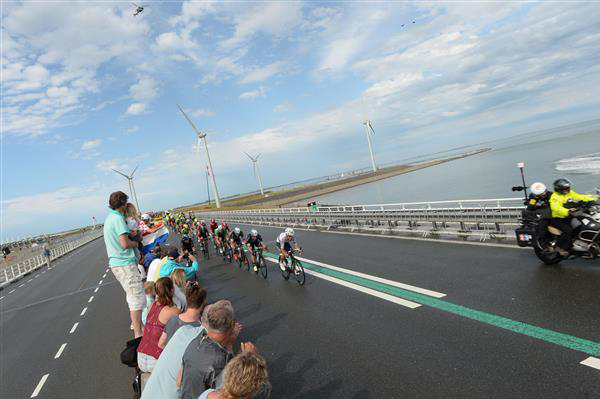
<point>83,311</point>
<point>39,386</point>
<point>73,328</point>
<point>91,299</point>
<point>60,350</point>
<point>381,295</point>
<point>96,290</point>
<point>378,279</point>
<point>592,362</point>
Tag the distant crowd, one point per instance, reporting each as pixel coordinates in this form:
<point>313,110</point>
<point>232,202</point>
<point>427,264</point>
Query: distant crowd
<point>186,348</point>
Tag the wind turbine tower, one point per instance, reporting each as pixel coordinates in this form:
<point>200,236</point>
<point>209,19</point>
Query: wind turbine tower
<point>256,171</point>
<point>370,132</point>
<point>201,136</point>
<point>132,192</point>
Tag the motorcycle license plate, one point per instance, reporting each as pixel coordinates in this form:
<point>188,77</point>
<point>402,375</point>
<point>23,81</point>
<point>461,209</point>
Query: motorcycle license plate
<point>525,237</point>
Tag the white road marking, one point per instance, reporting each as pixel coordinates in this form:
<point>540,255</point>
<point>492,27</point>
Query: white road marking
<point>20,285</point>
<point>83,311</point>
<point>104,275</point>
<point>44,272</point>
<point>381,295</point>
<point>1,298</point>
<point>60,351</point>
<point>39,386</point>
<point>30,280</point>
<point>592,362</point>
<point>378,279</point>
<point>91,299</point>
<point>37,275</point>
<point>107,270</point>
<point>101,281</point>
<point>73,328</point>
<point>11,291</point>
<point>96,290</point>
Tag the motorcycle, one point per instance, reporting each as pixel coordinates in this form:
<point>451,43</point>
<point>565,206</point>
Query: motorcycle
<point>585,221</point>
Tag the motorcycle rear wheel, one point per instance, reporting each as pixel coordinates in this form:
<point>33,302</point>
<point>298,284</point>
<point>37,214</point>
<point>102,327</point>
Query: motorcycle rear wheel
<point>549,258</point>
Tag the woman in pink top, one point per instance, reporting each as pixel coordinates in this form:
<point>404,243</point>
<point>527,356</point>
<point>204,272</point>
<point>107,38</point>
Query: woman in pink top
<point>160,312</point>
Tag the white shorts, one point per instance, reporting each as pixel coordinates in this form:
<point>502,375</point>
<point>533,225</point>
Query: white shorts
<point>146,363</point>
<point>131,280</point>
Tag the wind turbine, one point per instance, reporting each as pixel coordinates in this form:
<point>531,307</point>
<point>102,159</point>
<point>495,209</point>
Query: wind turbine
<point>131,186</point>
<point>201,136</point>
<point>370,132</point>
<point>256,171</point>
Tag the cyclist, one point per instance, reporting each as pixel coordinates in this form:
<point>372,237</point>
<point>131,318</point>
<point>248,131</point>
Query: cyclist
<point>203,234</point>
<point>236,238</point>
<point>221,238</point>
<point>187,244</point>
<point>285,243</point>
<point>254,241</point>
<point>213,226</point>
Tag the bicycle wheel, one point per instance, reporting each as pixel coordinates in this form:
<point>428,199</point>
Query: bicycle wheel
<point>246,260</point>
<point>298,270</point>
<point>286,272</point>
<point>229,254</point>
<point>263,266</point>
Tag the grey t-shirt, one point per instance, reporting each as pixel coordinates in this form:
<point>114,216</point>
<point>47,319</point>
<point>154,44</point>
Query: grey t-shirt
<point>203,361</point>
<point>174,323</point>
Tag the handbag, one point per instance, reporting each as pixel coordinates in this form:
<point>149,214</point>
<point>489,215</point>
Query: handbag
<point>129,354</point>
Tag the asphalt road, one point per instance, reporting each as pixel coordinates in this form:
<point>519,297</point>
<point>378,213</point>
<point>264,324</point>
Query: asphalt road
<point>328,340</point>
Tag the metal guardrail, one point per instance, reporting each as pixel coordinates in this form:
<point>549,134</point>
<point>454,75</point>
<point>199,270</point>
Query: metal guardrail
<point>483,219</point>
<point>16,271</point>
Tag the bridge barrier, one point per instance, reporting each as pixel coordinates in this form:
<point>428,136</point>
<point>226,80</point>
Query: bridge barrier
<point>16,271</point>
<point>468,219</point>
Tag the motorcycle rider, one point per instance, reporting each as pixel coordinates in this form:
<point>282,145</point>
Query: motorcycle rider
<point>539,203</point>
<point>561,215</point>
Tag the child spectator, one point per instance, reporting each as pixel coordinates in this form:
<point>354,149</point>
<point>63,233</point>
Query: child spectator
<point>178,277</point>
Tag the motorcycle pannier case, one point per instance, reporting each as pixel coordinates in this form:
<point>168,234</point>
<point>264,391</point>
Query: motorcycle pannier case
<point>525,236</point>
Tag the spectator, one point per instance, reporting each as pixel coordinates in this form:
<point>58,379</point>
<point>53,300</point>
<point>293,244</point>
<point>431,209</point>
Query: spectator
<point>206,356</point>
<point>195,297</point>
<point>150,297</point>
<point>121,258</point>
<point>160,313</point>
<point>155,253</point>
<point>178,277</point>
<point>46,254</point>
<point>174,263</point>
<point>245,376</point>
<point>157,264</point>
<point>133,222</point>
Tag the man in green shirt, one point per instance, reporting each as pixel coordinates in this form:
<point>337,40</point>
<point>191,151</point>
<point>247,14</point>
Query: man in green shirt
<point>122,260</point>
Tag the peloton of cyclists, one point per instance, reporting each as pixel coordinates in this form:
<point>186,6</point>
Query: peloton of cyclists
<point>254,242</point>
<point>285,243</point>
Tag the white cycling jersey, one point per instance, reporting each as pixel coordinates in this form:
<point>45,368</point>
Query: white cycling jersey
<point>282,238</point>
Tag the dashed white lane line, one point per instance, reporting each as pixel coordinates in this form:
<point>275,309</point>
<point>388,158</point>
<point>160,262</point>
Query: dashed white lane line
<point>104,276</point>
<point>83,311</point>
<point>37,275</point>
<point>592,362</point>
<point>101,281</point>
<point>21,286</point>
<point>60,351</point>
<point>44,272</point>
<point>39,386</point>
<point>30,280</point>
<point>96,290</point>
<point>381,295</point>
<point>11,291</point>
<point>1,298</point>
<point>106,270</point>
<point>91,299</point>
<point>73,328</point>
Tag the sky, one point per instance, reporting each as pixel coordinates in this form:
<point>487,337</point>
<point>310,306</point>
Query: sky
<point>87,87</point>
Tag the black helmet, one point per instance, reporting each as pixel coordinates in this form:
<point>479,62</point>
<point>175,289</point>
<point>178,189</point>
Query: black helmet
<point>562,186</point>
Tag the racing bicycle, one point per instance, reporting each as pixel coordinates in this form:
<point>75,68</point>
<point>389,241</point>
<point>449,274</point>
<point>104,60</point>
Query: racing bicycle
<point>294,266</point>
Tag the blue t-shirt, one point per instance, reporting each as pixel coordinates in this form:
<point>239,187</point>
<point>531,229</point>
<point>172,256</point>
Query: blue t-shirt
<point>171,265</point>
<point>114,227</point>
<point>163,380</point>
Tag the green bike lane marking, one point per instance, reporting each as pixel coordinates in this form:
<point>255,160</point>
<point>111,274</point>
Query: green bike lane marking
<point>564,340</point>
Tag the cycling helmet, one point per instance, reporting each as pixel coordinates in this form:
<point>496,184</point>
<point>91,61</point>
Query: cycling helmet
<point>185,237</point>
<point>289,231</point>
<point>538,188</point>
<point>562,186</point>
<point>253,233</point>
<point>220,227</point>
<point>237,230</point>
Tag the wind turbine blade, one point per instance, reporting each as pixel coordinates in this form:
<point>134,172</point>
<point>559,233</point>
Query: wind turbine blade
<point>189,120</point>
<point>122,174</point>
<point>134,171</point>
<point>248,155</point>
<point>371,127</point>
<point>259,154</point>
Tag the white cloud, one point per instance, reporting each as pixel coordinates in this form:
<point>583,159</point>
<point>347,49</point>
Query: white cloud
<point>136,109</point>
<point>110,164</point>
<point>90,145</point>
<point>283,107</point>
<point>144,90</point>
<point>263,73</point>
<point>252,94</point>
<point>132,129</point>
<point>200,112</point>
